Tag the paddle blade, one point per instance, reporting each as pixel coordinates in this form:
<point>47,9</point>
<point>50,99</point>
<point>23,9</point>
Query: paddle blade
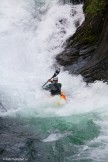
<point>56,72</point>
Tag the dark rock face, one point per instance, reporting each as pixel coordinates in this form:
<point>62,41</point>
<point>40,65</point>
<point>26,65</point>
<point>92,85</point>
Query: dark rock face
<point>86,52</point>
<point>2,108</point>
<point>73,1</point>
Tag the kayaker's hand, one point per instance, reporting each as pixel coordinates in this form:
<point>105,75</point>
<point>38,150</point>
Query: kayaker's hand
<point>49,80</point>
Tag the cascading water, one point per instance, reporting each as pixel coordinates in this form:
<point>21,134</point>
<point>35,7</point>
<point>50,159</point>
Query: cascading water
<point>32,33</point>
<point>30,39</point>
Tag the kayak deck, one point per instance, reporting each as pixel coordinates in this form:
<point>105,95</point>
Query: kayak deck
<point>62,100</point>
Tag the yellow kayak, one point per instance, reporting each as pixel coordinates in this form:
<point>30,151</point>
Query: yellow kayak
<point>59,100</point>
<point>62,96</point>
<point>62,100</point>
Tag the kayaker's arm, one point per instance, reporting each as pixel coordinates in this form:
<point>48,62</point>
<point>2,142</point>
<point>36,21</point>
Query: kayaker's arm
<point>50,81</point>
<point>48,87</point>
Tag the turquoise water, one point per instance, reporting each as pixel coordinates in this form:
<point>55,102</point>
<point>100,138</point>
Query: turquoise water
<point>52,139</point>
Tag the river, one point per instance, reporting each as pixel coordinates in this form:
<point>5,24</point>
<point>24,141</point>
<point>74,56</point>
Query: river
<point>32,127</point>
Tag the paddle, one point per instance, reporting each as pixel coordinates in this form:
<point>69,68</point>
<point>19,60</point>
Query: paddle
<point>55,74</point>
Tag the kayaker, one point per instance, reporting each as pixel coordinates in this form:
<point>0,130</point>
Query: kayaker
<point>54,87</point>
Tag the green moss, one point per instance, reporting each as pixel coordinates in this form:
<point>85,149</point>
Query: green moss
<point>94,6</point>
<point>90,32</point>
<point>87,36</point>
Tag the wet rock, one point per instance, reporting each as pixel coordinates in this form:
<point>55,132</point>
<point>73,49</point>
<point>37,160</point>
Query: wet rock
<point>67,57</point>
<point>77,23</point>
<point>76,1</point>
<point>2,108</point>
<point>86,52</point>
<point>72,1</point>
<point>98,71</point>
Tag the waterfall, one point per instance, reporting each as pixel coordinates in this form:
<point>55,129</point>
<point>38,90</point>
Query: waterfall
<point>32,33</point>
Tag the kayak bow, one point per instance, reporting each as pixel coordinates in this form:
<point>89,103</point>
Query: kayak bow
<point>62,96</point>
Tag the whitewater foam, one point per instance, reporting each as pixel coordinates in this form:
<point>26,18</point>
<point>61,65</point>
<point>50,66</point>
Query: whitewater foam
<point>29,46</point>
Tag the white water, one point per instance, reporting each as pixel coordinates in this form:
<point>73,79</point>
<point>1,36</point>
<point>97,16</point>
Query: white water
<point>30,37</point>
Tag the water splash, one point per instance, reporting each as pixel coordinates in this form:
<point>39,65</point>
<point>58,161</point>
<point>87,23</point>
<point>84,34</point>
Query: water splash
<point>30,39</point>
<point>32,33</point>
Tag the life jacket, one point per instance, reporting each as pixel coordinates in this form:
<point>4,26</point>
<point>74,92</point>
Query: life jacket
<point>56,89</point>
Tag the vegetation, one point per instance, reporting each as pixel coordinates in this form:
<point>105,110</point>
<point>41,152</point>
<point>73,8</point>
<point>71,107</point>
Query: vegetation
<point>94,7</point>
<point>89,32</point>
<point>87,36</point>
<point>94,13</point>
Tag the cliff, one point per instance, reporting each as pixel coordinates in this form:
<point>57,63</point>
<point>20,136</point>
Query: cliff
<point>86,52</point>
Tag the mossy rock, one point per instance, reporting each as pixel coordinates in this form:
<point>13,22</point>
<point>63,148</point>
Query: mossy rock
<point>87,36</point>
<point>93,7</point>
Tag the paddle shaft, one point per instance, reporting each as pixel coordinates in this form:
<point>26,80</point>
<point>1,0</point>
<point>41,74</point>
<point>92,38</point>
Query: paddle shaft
<point>55,74</point>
